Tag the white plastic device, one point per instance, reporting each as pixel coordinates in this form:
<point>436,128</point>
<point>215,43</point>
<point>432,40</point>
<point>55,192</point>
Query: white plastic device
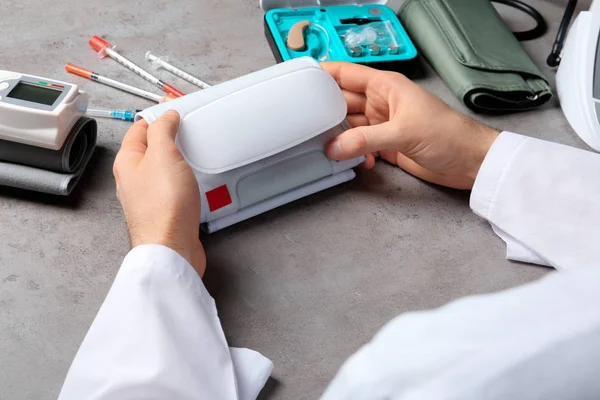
<point>38,111</point>
<point>578,76</point>
<point>258,141</point>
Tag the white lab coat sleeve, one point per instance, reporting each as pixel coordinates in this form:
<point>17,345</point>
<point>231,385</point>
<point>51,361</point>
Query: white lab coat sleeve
<point>518,252</point>
<point>542,200</point>
<point>537,341</point>
<point>158,336</point>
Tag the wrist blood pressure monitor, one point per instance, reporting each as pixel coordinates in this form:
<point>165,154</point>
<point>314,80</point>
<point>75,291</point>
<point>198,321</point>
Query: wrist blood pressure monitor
<point>45,138</point>
<point>258,142</point>
<point>38,111</point>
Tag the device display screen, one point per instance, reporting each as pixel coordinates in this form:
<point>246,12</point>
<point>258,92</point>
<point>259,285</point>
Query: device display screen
<point>34,93</point>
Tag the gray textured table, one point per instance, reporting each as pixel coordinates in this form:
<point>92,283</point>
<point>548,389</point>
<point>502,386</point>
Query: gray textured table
<point>306,284</point>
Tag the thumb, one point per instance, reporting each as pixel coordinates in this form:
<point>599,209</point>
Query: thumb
<point>362,140</point>
<point>162,132</point>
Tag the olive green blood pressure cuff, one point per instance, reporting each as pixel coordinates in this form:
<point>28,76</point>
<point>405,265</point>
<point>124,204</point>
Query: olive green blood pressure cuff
<point>476,54</point>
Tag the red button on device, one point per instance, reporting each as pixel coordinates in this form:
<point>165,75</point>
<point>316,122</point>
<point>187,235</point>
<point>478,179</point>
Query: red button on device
<point>218,198</point>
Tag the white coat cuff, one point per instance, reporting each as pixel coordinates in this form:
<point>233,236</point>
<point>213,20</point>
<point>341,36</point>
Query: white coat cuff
<point>252,369</point>
<point>487,185</point>
<point>141,258</point>
<point>492,171</point>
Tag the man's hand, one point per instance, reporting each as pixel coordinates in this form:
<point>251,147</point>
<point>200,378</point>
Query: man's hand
<point>158,190</point>
<point>407,126</point>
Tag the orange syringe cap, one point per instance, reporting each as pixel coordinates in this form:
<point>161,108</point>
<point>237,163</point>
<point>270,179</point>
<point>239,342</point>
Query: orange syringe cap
<point>100,45</point>
<point>168,97</point>
<point>74,69</point>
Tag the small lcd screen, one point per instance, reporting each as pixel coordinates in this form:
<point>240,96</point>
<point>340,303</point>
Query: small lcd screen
<point>34,93</point>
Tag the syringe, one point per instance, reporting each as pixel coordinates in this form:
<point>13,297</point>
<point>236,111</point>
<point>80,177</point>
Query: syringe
<point>104,48</point>
<point>91,75</point>
<point>158,62</point>
<point>125,115</point>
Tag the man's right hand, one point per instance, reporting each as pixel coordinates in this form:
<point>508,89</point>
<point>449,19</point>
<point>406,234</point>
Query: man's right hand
<point>407,126</point>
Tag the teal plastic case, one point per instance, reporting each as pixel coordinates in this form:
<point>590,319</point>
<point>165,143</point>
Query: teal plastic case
<point>364,32</point>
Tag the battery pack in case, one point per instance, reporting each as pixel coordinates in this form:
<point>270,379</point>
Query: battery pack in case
<point>362,32</point>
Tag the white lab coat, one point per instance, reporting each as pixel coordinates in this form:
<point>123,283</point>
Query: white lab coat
<point>158,335</point>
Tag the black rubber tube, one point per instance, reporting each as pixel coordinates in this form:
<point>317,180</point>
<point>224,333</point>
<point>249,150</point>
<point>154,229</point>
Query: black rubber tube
<point>540,27</point>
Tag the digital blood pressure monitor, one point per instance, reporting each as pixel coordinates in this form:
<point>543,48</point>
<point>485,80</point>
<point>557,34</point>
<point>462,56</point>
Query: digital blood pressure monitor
<point>37,111</point>
<point>258,142</point>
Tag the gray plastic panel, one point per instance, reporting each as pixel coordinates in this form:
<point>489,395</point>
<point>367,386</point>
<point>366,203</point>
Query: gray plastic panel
<point>34,81</point>
<point>282,177</point>
<point>596,82</point>
<point>597,107</point>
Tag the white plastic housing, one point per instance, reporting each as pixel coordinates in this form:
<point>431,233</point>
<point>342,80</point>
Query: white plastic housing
<point>260,136</point>
<point>575,77</point>
<point>36,124</point>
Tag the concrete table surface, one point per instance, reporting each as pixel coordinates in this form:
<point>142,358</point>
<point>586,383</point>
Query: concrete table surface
<point>306,284</point>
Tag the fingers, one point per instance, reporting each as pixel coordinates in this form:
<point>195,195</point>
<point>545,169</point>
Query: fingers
<point>357,102</point>
<point>357,120</point>
<point>349,76</point>
<point>369,161</point>
<point>162,132</point>
<point>133,148</point>
<point>361,140</point>
<point>136,137</point>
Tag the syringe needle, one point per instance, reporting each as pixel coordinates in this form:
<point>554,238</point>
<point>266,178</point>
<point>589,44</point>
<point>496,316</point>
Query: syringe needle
<point>158,62</point>
<point>86,73</point>
<point>106,49</point>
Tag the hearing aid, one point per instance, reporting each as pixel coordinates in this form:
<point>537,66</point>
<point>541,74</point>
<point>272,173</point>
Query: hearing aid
<point>295,39</point>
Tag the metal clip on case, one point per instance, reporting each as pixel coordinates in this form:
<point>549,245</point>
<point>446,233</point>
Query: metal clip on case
<point>257,142</point>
